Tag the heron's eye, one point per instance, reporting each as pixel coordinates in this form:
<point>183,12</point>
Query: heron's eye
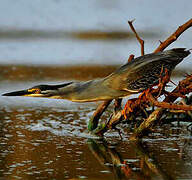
<point>34,91</point>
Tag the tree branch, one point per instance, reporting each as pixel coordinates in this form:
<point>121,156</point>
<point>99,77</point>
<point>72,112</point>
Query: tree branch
<point>184,87</point>
<point>174,36</point>
<point>141,41</point>
<point>131,57</point>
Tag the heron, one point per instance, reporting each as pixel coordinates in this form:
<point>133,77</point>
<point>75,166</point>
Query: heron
<point>134,77</point>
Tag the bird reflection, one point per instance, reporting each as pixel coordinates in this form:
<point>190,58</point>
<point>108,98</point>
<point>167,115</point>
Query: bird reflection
<point>145,167</point>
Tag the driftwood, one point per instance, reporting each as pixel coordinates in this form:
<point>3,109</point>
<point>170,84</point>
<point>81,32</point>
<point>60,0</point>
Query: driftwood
<point>148,99</point>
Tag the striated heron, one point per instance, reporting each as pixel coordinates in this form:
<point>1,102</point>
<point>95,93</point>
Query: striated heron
<point>134,77</point>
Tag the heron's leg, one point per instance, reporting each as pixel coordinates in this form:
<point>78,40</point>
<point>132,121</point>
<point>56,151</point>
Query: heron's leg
<point>103,127</point>
<point>93,122</point>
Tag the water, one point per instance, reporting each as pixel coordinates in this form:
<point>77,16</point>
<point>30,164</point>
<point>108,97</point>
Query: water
<point>60,41</point>
<point>47,139</point>
<point>41,143</point>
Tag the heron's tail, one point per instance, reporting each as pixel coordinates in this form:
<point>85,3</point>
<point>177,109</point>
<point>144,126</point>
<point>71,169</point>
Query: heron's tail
<point>178,52</point>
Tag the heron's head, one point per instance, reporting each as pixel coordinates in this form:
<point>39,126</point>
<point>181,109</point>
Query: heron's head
<point>39,91</point>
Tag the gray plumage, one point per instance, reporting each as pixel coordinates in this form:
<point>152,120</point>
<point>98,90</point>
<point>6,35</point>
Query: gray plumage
<point>135,76</point>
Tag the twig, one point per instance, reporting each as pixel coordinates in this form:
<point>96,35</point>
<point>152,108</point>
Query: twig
<point>167,105</point>
<point>141,41</point>
<point>131,57</point>
<point>174,36</point>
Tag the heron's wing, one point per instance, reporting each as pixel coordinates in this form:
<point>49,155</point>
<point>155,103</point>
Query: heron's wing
<point>146,76</point>
<point>144,71</point>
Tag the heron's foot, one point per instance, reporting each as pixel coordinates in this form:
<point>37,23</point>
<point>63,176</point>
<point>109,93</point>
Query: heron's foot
<point>93,123</point>
<point>95,128</point>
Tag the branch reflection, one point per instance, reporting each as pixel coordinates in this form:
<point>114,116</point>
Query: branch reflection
<point>143,167</point>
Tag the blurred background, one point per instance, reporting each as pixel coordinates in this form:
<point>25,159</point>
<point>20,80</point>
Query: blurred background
<point>57,32</point>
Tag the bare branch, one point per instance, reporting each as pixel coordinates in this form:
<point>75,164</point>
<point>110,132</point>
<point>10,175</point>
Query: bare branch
<point>141,41</point>
<point>174,36</point>
<point>167,105</point>
<point>184,87</point>
<point>131,57</point>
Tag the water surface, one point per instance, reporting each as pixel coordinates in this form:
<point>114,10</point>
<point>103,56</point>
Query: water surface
<point>47,138</point>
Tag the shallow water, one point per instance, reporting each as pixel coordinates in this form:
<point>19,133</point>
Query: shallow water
<point>41,143</point>
<point>47,139</point>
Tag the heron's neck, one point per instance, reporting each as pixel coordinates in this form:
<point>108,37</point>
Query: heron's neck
<point>83,91</point>
<point>95,90</point>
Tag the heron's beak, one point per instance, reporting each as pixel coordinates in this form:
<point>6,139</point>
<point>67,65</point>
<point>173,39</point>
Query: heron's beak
<point>18,93</point>
<point>24,93</point>
<point>49,91</point>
